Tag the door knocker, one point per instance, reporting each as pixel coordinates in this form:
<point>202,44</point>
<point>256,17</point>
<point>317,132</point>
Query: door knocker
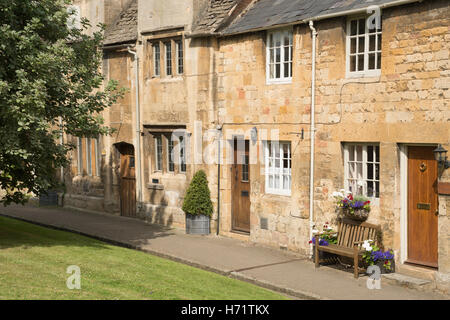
<point>423,167</point>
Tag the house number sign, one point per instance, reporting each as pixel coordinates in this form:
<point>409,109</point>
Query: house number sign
<point>423,206</point>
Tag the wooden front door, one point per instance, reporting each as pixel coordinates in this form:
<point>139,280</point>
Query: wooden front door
<point>127,185</point>
<point>422,207</point>
<point>240,189</point>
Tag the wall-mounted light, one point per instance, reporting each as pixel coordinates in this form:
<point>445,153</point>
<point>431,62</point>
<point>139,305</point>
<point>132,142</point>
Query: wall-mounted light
<point>254,134</point>
<point>440,154</point>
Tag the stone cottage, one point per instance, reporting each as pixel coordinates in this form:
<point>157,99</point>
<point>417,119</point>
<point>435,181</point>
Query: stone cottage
<point>298,99</point>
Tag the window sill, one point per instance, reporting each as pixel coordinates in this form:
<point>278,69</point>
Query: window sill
<point>370,76</point>
<point>155,186</point>
<point>278,193</point>
<point>275,82</point>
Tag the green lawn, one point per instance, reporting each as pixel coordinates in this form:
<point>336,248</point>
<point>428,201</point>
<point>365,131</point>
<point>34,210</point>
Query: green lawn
<point>33,263</point>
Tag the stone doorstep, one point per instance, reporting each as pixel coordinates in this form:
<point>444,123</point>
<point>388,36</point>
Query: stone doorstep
<point>408,281</point>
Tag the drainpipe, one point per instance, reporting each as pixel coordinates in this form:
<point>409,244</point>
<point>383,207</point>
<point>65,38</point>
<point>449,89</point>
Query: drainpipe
<point>313,133</point>
<point>138,132</point>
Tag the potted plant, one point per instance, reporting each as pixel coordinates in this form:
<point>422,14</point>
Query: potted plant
<point>356,208</point>
<point>324,240</point>
<point>197,205</point>
<point>373,255</point>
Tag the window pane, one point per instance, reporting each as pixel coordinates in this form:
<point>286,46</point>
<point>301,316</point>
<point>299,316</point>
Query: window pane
<point>351,153</point>
<point>170,155</point>
<point>351,170</point>
<point>271,41</point>
<point>286,70</point>
<point>156,59</point>
<point>361,26</point>
<point>353,27</point>
<point>272,55</point>
<point>278,71</point>
<point>360,171</point>
<point>379,61</point>
<point>370,171</point>
<point>372,39</point>
<point>359,153</point>
<point>276,184</point>
<point>361,62</point>
<point>278,54</point>
<point>180,64</point>
<point>377,153</point>
<point>370,190</point>
<point>353,45</point>
<point>168,58</point>
<point>371,61</point>
<point>361,44</point>
<point>370,153</point>
<point>352,63</point>
<point>379,42</point>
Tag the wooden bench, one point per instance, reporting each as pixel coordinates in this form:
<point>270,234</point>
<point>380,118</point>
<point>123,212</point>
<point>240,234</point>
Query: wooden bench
<point>350,237</point>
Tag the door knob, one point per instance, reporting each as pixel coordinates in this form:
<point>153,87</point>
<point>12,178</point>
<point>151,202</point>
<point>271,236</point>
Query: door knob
<point>436,213</point>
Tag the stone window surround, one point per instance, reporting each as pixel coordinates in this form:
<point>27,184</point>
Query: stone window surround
<point>278,191</point>
<point>88,162</point>
<point>364,161</point>
<point>165,132</point>
<point>282,79</point>
<point>162,38</point>
<point>366,72</point>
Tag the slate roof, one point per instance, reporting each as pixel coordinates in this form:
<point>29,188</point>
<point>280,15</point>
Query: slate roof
<point>212,17</point>
<point>270,13</point>
<point>124,29</point>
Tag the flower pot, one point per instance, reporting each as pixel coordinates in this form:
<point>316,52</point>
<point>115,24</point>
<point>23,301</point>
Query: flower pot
<point>358,214</point>
<point>198,224</point>
<point>380,264</point>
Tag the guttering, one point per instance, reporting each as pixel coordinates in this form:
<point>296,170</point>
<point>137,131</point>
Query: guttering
<point>138,131</point>
<point>322,17</point>
<point>313,132</point>
<point>117,46</point>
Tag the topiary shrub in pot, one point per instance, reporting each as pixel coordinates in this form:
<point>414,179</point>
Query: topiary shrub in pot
<point>197,205</point>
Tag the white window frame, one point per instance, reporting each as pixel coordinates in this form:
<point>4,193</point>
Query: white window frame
<point>365,72</point>
<point>364,161</point>
<point>281,171</point>
<point>281,34</point>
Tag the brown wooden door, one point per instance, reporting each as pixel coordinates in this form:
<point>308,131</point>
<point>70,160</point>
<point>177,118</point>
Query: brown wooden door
<point>240,175</point>
<point>422,207</point>
<point>127,185</point>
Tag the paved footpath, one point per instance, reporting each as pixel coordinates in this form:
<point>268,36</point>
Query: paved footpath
<point>274,269</point>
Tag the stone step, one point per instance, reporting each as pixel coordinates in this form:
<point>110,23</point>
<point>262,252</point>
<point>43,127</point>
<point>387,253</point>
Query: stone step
<point>408,281</point>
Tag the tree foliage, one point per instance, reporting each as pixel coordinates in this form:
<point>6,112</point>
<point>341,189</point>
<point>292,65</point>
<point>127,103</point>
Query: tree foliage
<point>198,197</point>
<point>48,71</point>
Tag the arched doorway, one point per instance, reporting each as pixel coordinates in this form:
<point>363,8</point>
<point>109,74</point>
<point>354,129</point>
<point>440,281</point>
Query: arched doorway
<point>127,178</point>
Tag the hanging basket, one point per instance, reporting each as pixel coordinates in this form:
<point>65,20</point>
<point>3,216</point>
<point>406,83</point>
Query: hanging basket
<point>358,214</point>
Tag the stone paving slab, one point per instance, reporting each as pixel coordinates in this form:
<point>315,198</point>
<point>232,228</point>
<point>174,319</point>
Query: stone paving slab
<point>278,270</point>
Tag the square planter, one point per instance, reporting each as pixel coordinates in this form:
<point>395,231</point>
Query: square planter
<point>199,224</point>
